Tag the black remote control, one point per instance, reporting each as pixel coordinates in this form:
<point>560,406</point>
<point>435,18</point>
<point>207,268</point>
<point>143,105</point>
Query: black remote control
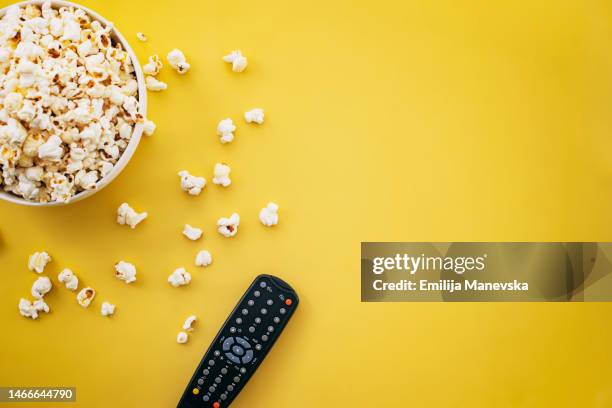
<point>243,342</point>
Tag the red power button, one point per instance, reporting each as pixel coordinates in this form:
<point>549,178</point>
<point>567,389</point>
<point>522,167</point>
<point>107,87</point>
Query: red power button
<point>216,405</point>
<point>288,302</point>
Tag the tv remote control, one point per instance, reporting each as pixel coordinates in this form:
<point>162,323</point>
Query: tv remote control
<point>243,342</point>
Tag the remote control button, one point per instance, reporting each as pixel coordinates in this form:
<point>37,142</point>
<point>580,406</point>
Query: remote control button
<point>236,379</point>
<point>264,338</point>
<point>276,320</point>
<point>243,342</point>
<point>250,302</point>
<point>256,293</point>
<point>237,350</point>
<point>205,398</point>
<point>243,370</point>
<point>206,372</point>
<point>224,370</point>
<point>232,358</point>
<point>223,397</point>
<point>216,405</point>
<point>288,302</point>
<point>230,388</point>
<point>264,311</point>
<point>270,329</point>
<point>232,329</point>
<point>238,321</point>
<point>227,343</point>
<point>211,362</point>
<point>269,302</point>
<point>217,353</point>
<point>195,391</point>
<point>247,357</point>
<point>245,312</point>
<point>251,329</point>
<point>211,388</point>
<point>282,310</point>
<point>262,284</point>
<point>218,380</point>
<point>258,347</point>
<point>258,320</point>
<point>200,381</point>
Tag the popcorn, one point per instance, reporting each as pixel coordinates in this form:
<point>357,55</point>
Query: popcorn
<point>148,127</point>
<point>221,175</point>
<point>189,324</point>
<point>141,37</point>
<point>155,85</point>
<point>38,261</point>
<point>127,216</point>
<point>65,86</point>
<point>225,130</point>
<point>29,309</point>
<point>182,338</point>
<point>153,66</point>
<point>192,233</point>
<point>254,116</point>
<point>125,271</point>
<point>238,61</point>
<point>41,287</point>
<point>193,185</point>
<point>228,227</point>
<point>177,60</point>
<point>107,309</point>
<point>203,258</point>
<point>179,277</point>
<point>85,296</point>
<point>269,215</point>
<point>68,278</point>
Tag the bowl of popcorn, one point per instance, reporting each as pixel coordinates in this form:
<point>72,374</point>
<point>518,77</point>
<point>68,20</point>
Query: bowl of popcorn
<point>72,103</point>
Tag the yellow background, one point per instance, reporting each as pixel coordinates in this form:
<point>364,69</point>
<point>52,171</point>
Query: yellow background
<point>387,120</point>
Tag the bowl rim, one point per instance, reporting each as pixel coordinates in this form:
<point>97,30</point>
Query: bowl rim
<point>138,128</point>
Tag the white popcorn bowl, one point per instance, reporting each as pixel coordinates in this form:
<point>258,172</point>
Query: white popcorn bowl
<point>137,133</point>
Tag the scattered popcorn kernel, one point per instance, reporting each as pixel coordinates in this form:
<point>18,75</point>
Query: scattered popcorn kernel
<point>269,215</point>
<point>192,233</point>
<point>203,258</point>
<point>51,150</point>
<point>107,309</point>
<point>148,127</point>
<point>179,277</point>
<point>153,66</point>
<point>221,175</point>
<point>41,287</point>
<point>29,309</point>
<point>177,60</point>
<point>85,296</point>
<point>189,324</point>
<point>225,130</point>
<point>228,227</point>
<point>125,271</point>
<point>68,278</point>
<point>254,116</point>
<point>38,261</point>
<point>182,338</point>
<point>155,85</point>
<point>238,61</point>
<point>141,37</point>
<point>192,184</point>
<point>127,216</point>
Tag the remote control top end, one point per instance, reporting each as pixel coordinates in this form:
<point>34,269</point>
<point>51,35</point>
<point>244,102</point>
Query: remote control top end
<point>242,343</point>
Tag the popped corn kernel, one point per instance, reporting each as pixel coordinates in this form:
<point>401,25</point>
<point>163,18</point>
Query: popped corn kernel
<point>85,296</point>
<point>254,116</point>
<point>154,66</point>
<point>177,60</point>
<point>192,233</point>
<point>68,278</point>
<point>182,338</point>
<point>107,309</point>
<point>141,36</point>
<point>127,216</point>
<point>203,258</point>
<point>190,323</point>
<point>41,287</point>
<point>38,261</point>
<point>155,85</point>
<point>148,127</point>
<point>269,215</point>
<point>228,227</point>
<point>192,184</point>
<point>29,309</point>
<point>221,174</point>
<point>225,130</point>
<point>125,271</point>
<point>179,277</point>
<point>238,61</point>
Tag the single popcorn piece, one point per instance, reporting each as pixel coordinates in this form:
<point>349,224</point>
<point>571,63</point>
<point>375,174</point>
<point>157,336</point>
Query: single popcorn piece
<point>51,150</point>
<point>107,309</point>
<point>127,216</point>
<point>269,215</point>
<point>125,271</point>
<point>38,261</point>
<point>203,258</point>
<point>238,61</point>
<point>179,277</point>
<point>153,66</point>
<point>148,127</point>
<point>221,174</point>
<point>155,85</point>
<point>192,233</point>
<point>68,278</point>
<point>228,227</point>
<point>85,296</point>
<point>225,130</point>
<point>182,338</point>
<point>177,60</point>
<point>41,287</point>
<point>29,309</point>
<point>192,184</point>
<point>190,322</point>
<point>254,116</point>
<point>141,37</point>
